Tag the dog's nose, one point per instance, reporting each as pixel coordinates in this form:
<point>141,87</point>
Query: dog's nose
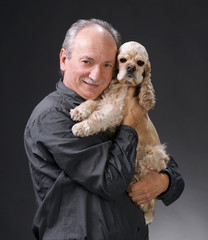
<point>131,68</point>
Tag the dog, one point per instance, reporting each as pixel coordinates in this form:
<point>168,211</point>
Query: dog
<point>106,113</point>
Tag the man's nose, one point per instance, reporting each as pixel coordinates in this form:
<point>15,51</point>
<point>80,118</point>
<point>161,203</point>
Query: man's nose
<point>95,73</point>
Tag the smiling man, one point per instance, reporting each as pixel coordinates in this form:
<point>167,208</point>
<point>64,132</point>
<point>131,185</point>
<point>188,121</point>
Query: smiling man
<point>81,184</point>
<point>89,69</point>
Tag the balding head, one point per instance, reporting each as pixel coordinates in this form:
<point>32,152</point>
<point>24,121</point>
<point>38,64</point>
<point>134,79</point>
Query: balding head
<point>81,24</point>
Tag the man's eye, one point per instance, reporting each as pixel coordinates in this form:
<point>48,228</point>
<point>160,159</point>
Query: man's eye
<point>108,65</point>
<point>86,61</point>
<point>123,60</point>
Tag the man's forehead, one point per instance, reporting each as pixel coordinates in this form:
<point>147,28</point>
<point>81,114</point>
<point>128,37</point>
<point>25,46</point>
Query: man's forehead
<point>95,32</point>
<point>92,28</point>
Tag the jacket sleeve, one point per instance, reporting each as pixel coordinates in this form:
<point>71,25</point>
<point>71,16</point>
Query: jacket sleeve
<point>105,167</point>
<point>176,185</point>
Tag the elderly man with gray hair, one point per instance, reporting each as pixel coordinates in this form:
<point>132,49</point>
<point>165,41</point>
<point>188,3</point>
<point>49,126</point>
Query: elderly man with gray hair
<point>81,184</point>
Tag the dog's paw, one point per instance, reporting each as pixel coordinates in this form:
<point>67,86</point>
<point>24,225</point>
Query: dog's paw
<point>83,111</point>
<point>78,114</point>
<point>81,129</point>
<point>148,209</point>
<point>149,216</point>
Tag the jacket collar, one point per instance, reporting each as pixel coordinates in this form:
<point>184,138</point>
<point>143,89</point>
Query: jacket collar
<point>62,89</point>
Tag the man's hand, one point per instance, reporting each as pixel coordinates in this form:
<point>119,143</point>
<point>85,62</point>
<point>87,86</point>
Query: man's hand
<point>149,187</point>
<point>133,112</point>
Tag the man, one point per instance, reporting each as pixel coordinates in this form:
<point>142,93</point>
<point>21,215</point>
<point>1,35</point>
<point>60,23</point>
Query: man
<point>81,183</point>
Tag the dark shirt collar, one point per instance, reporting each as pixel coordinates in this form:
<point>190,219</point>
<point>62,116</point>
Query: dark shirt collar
<point>69,93</point>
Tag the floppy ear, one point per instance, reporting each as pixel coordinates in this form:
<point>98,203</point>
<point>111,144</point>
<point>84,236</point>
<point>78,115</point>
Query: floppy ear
<point>147,92</point>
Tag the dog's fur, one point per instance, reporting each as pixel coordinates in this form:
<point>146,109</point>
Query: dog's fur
<point>106,113</point>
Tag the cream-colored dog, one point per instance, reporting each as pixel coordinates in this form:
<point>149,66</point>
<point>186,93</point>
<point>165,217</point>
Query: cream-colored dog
<point>106,113</point>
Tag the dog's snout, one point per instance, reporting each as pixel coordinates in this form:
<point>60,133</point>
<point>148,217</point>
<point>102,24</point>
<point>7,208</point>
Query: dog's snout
<point>131,68</point>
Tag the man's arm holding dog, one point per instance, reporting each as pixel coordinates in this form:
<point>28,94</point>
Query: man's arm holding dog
<point>133,112</point>
<point>149,187</point>
<point>153,184</point>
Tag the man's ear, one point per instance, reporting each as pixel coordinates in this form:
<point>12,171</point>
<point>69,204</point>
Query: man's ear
<point>62,57</point>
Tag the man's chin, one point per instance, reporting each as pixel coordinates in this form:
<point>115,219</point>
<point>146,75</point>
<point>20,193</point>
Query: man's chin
<point>90,94</point>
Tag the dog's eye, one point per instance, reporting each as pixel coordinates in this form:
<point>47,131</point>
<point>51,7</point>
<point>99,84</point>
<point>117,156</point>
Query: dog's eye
<point>140,63</point>
<point>123,60</point>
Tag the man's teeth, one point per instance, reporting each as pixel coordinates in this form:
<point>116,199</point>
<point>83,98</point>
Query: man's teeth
<point>91,82</point>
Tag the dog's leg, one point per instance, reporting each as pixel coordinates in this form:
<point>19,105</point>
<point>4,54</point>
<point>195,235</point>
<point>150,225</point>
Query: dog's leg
<point>154,157</point>
<point>148,209</point>
<point>107,117</point>
<point>147,132</point>
<point>82,111</point>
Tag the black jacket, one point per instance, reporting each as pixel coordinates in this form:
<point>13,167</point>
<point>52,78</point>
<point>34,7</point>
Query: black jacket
<point>80,183</point>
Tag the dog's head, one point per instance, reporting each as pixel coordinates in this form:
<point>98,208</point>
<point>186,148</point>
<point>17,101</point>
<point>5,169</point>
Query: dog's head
<point>133,63</point>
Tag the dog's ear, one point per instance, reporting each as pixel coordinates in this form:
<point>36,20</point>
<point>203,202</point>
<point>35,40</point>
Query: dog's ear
<point>147,92</point>
<point>147,71</point>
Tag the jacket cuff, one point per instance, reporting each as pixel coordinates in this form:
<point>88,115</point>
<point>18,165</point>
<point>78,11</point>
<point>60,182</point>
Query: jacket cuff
<point>128,131</point>
<point>168,193</point>
<point>176,185</point>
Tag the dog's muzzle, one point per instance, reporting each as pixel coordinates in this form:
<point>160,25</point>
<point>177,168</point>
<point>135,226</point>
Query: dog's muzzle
<point>130,71</point>
<point>131,68</point>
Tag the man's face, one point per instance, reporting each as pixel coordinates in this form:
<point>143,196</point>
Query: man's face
<point>90,67</point>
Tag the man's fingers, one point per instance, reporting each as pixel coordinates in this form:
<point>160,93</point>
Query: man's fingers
<point>143,196</point>
<point>131,92</point>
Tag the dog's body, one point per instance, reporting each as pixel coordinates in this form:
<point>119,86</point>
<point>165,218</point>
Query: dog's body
<point>106,113</point>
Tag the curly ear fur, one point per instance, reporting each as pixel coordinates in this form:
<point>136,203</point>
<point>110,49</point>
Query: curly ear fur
<point>147,92</point>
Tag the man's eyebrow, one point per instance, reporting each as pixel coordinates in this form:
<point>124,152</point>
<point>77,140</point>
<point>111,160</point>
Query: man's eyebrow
<point>92,59</point>
<point>86,57</point>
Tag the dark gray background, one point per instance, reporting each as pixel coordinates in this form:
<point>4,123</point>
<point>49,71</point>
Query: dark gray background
<point>175,35</point>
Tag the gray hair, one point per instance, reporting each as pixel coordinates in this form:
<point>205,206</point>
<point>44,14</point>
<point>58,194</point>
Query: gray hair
<point>79,25</point>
